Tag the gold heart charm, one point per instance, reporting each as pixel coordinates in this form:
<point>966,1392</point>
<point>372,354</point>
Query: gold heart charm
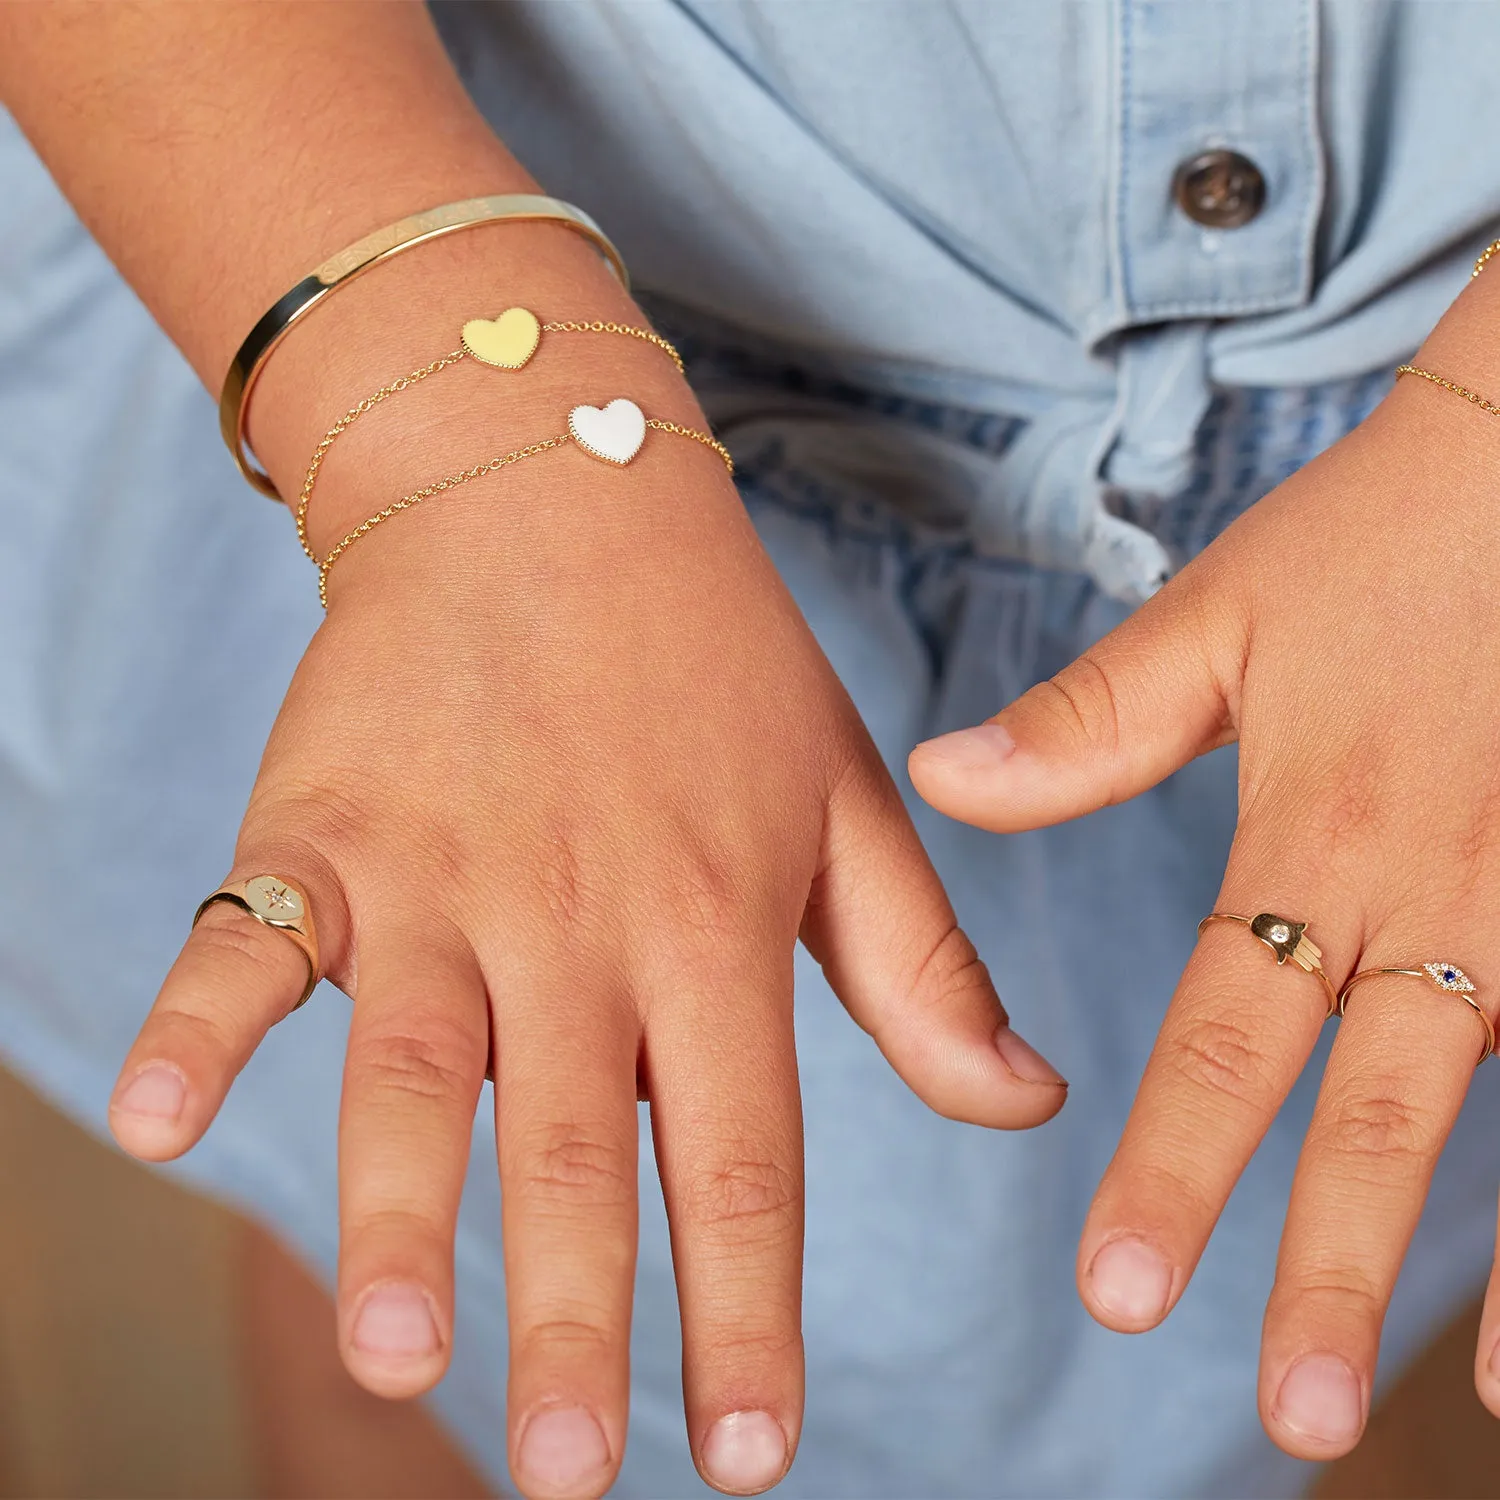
<point>507,341</point>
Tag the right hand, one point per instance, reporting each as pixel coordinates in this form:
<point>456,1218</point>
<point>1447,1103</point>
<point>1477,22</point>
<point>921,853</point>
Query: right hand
<point>566,776</point>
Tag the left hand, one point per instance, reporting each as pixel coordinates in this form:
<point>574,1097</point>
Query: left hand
<point>1344,632</point>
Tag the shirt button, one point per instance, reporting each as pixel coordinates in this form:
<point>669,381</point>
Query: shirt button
<point>1219,189</point>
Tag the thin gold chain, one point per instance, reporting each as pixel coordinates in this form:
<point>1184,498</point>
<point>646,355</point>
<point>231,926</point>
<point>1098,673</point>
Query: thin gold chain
<point>1472,397</point>
<point>355,412</point>
<point>707,439</point>
<point>406,502</point>
<point>644,334</point>
<point>489,466</point>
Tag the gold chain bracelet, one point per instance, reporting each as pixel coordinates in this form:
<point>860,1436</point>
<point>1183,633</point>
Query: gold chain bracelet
<point>1472,397</point>
<point>613,433</point>
<point>505,343</point>
<point>356,259</point>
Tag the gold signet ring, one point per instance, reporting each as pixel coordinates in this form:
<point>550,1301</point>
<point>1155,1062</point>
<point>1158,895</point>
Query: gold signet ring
<point>1287,940</point>
<point>1448,977</point>
<point>281,905</point>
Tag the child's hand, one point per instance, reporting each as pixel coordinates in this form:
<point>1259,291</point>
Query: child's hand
<point>1344,632</point>
<point>565,775</point>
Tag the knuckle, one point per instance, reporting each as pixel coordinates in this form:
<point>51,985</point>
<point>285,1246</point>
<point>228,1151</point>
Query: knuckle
<point>317,834</point>
<point>950,969</point>
<point>740,1347</point>
<point>1343,1290</point>
<point>1157,1181</point>
<point>329,820</point>
<point>560,880</point>
<point>421,1065</point>
<point>703,896</point>
<point>1353,808</point>
<point>1221,1056</point>
<point>570,1164</point>
<point>199,1028</point>
<point>1472,856</point>
<point>1083,698</point>
<point>1381,1127</point>
<point>448,857</point>
<point>749,1196</point>
<point>573,1337</point>
<point>392,1226</point>
<point>854,771</point>
<point>230,941</point>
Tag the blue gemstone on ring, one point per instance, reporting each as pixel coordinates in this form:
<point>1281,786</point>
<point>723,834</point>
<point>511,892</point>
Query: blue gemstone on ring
<point>1449,977</point>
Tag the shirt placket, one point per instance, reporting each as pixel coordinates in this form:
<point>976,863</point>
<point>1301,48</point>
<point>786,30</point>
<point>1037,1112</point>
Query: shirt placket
<point>1217,192</point>
<point>1218,180</point>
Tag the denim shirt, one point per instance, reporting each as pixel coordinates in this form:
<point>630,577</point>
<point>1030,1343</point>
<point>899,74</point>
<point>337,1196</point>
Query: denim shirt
<point>962,203</point>
<point>972,200</point>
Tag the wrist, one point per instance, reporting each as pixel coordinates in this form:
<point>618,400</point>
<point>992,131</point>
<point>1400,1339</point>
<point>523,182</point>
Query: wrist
<point>555,525</point>
<point>407,312</point>
<point>468,414</point>
<point>1464,345</point>
<point>1431,412</point>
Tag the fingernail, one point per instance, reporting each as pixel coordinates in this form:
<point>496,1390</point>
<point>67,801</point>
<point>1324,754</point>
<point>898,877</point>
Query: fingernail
<point>396,1322</point>
<point>1319,1399</point>
<point>1495,1361</point>
<point>1024,1060</point>
<point>562,1446</point>
<point>1131,1281</point>
<point>157,1092</point>
<point>745,1451</point>
<point>979,749</point>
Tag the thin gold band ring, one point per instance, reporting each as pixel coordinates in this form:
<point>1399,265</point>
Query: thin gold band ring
<point>1448,978</point>
<point>1287,940</point>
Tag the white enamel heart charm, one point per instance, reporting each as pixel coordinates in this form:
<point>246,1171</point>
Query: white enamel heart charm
<point>506,342</point>
<point>614,432</point>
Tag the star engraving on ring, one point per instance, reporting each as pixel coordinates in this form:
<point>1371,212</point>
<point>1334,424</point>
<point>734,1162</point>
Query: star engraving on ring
<point>274,899</point>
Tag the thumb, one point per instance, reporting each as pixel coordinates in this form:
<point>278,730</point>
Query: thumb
<point>884,932</point>
<point>1157,691</point>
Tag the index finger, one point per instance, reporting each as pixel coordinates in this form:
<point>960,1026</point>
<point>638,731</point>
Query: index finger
<point>1237,1034</point>
<point>234,979</point>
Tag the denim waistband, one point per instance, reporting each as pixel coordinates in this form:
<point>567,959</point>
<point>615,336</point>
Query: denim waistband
<point>807,436</point>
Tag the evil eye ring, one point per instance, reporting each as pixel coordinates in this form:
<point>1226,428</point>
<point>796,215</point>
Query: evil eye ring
<point>1446,977</point>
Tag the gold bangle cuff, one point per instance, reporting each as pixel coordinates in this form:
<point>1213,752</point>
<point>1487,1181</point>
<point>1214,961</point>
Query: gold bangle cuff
<point>355,260</point>
<point>1287,940</point>
<point>1448,978</point>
